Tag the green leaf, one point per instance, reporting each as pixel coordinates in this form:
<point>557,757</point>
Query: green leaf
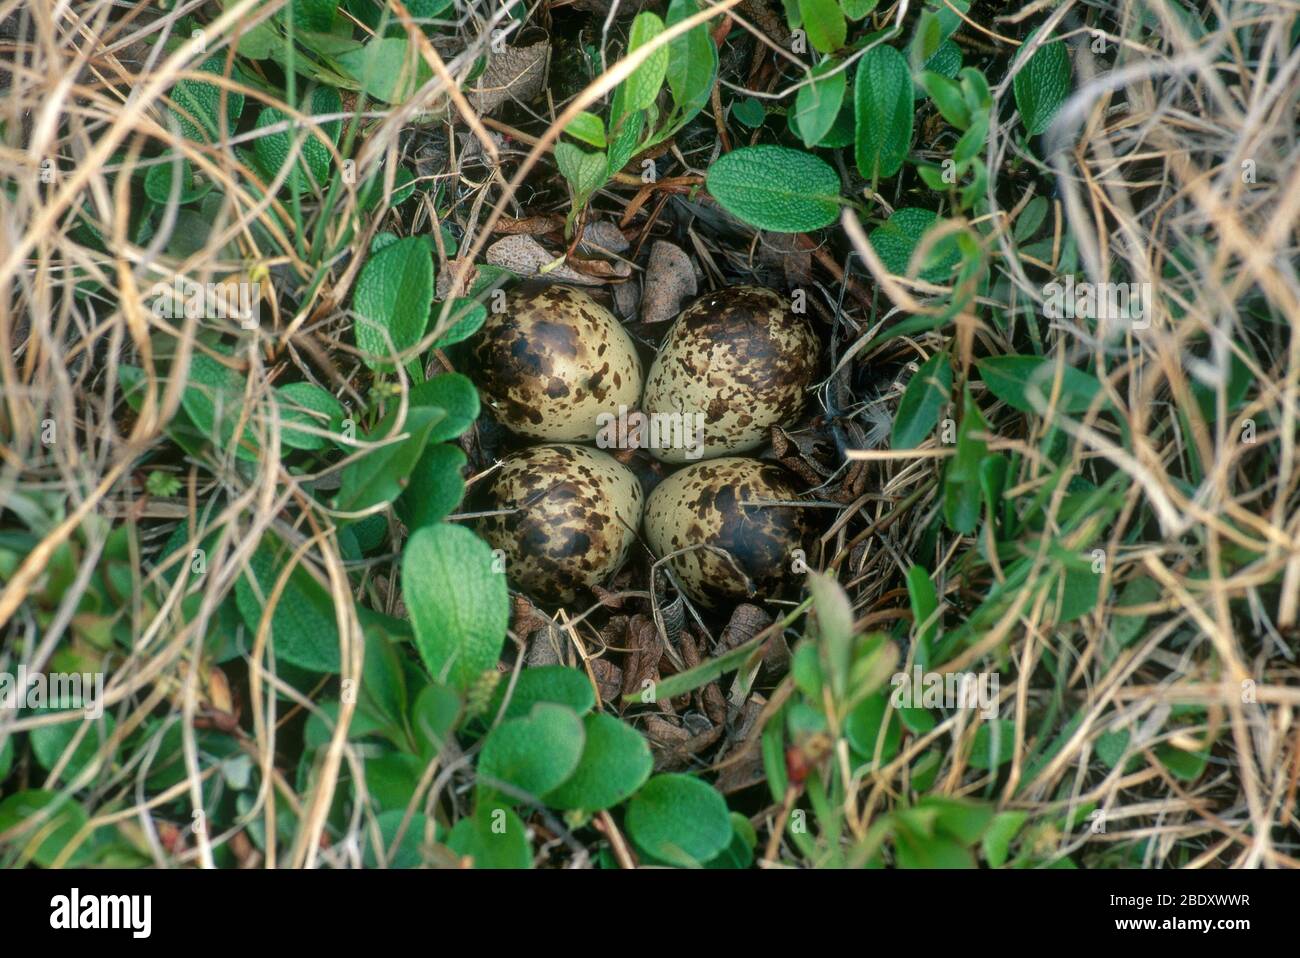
<point>308,405</point>
<point>739,854</point>
<point>692,63</point>
<point>773,748</point>
<point>383,681</point>
<point>999,835</point>
<point>392,778</point>
<point>970,196</point>
<point>916,718</point>
<point>1026,383</point>
<point>806,670</point>
<point>328,46</point>
<point>925,602</point>
<point>313,14</point>
<point>587,127</point>
<point>946,61</point>
<point>961,480</point>
<point>49,742</point>
<point>975,90</point>
<point>272,149</point>
<point>382,241</point>
<point>914,849</point>
<point>456,396</point>
<point>533,754</point>
<point>927,392</point>
<point>459,607</point>
<point>545,683</point>
<point>882,96</point>
<point>159,182</point>
<point>1126,627</point>
<point>1111,746</point>
<point>947,13</point>
<point>615,762</point>
<point>679,820</point>
<point>6,757</point>
<point>1030,218</point>
<point>371,193</point>
<point>370,12</point>
<point>901,234</point>
<point>857,9</point>
<point>433,718</point>
<point>1042,85</point>
<point>436,487</point>
<point>214,401</point>
<point>383,472</point>
<point>387,68</point>
<point>392,299</point>
<point>947,98</point>
<point>1189,766</point>
<point>825,24</point>
<point>64,824</point>
<point>256,43</point>
<point>314,159</point>
<point>749,112</point>
<point>493,837</point>
<point>817,104</point>
<point>1047,753</point>
<point>834,627</point>
<point>196,105</point>
<point>776,188</point>
<point>803,720</point>
<point>862,727</point>
<point>409,853</point>
<point>841,132</point>
<point>642,87</point>
<point>468,317</point>
<point>367,533</point>
<point>194,229</point>
<point>993,482</point>
<point>961,819</point>
<point>1075,592</point>
<point>972,142</point>
<point>925,39</point>
<point>625,141</point>
<point>304,625</point>
<point>983,753</point>
<point>585,171</point>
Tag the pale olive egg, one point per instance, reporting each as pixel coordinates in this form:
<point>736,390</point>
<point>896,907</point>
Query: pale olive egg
<point>742,360</point>
<point>553,360</point>
<point>575,512</point>
<point>705,504</point>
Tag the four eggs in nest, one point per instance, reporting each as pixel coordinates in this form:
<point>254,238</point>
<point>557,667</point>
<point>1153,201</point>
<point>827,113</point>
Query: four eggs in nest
<point>556,366</point>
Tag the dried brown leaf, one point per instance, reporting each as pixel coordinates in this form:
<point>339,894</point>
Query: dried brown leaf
<point>669,279</point>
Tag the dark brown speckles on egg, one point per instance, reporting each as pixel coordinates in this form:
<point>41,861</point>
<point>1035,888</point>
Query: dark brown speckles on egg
<point>743,359</point>
<point>575,519</point>
<point>702,505</point>
<point>552,361</point>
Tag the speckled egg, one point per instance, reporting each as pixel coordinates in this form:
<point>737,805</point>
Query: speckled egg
<point>553,360</point>
<point>704,505</point>
<point>742,359</point>
<point>576,512</point>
